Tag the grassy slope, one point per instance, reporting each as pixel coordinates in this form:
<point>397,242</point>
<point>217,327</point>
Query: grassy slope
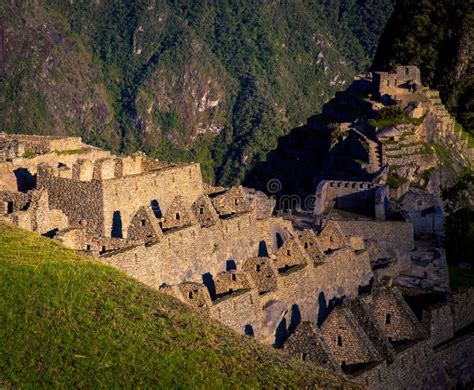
<point>69,321</point>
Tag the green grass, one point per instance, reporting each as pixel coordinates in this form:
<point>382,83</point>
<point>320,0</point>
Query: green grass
<point>460,278</point>
<point>392,116</point>
<point>395,181</point>
<point>29,154</point>
<point>68,321</point>
<point>68,152</point>
<point>465,135</point>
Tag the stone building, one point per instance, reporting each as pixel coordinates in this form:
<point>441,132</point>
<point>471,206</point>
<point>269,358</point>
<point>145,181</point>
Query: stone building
<point>290,255</point>
<point>227,283</point>
<point>104,201</point>
<point>261,271</point>
<point>363,336</point>
<point>308,343</point>
<point>359,197</point>
<point>347,341</point>
<point>224,253</point>
<point>403,78</point>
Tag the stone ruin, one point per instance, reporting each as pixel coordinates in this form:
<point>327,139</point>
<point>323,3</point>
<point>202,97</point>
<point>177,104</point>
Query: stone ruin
<point>402,80</point>
<point>224,253</point>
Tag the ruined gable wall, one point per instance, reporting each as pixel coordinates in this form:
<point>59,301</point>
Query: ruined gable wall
<point>178,215</point>
<point>11,201</point>
<point>127,194</point>
<point>44,219</point>
<point>331,238</point>
<point>204,211</point>
<point>394,316</point>
<point>308,344</point>
<point>78,200</point>
<point>229,282</point>
<point>144,226</point>
<point>290,255</point>
<point>346,340</point>
<point>262,274</point>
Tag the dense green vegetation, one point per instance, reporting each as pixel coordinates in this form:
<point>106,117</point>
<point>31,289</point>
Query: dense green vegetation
<point>395,181</point>
<point>437,36</point>
<point>155,73</point>
<point>66,321</point>
<point>460,278</point>
<point>459,225</point>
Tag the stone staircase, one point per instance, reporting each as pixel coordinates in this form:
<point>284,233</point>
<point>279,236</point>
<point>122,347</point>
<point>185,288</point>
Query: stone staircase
<point>375,156</point>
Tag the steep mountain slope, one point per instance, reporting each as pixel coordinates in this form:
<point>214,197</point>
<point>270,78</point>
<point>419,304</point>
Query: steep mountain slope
<point>437,36</point>
<point>69,321</point>
<point>213,81</point>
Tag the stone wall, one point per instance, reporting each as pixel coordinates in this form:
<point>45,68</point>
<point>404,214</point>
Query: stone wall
<point>201,250</point>
<point>397,233</point>
<point>394,316</point>
<point>438,321</point>
<point>462,306</point>
<point>11,202</point>
<point>346,340</point>
<point>89,243</point>
<point>45,220</point>
<point>144,226</point>
<point>388,83</point>
<point>421,367</point>
<point>236,243</point>
<point>124,196</point>
<point>80,201</point>
<point>246,312</point>
<point>43,144</point>
<point>308,344</point>
<point>347,195</point>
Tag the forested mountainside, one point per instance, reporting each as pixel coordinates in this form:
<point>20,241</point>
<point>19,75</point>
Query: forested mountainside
<point>212,81</point>
<point>438,37</point>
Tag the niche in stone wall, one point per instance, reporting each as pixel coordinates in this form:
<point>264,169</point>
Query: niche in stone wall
<point>155,206</point>
<point>117,225</point>
<point>279,240</point>
<point>8,207</point>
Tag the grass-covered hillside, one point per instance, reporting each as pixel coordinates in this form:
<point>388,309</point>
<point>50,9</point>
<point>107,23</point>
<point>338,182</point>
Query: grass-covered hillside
<point>214,81</point>
<point>67,321</point>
